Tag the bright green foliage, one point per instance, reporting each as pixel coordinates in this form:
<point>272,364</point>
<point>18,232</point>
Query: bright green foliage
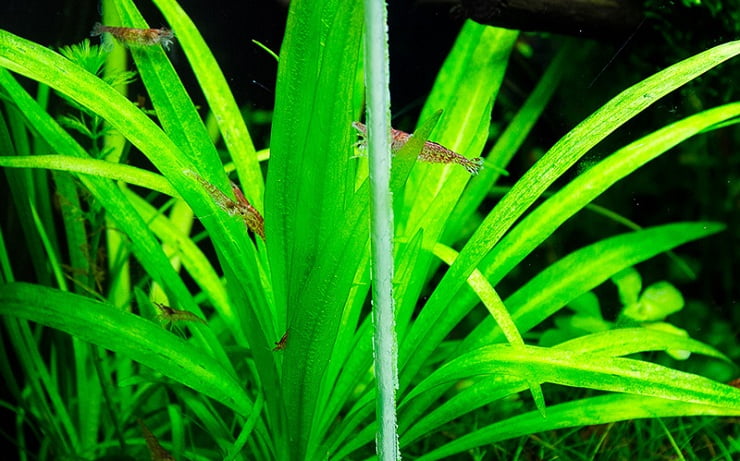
<point>656,302</point>
<point>232,388</point>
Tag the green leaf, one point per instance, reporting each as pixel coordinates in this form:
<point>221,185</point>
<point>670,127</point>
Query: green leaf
<point>612,343</point>
<point>220,100</point>
<point>591,411</point>
<point>498,311</point>
<point>657,302</point>
<point>123,332</point>
<point>678,354</point>
<point>126,173</point>
<point>513,136</point>
<point>629,285</point>
<point>594,371</point>
<point>433,324</point>
<point>582,271</point>
<point>465,90</point>
<point>145,246</point>
<point>316,223</point>
<point>406,157</point>
<point>174,108</point>
<point>487,295</point>
<point>567,279</point>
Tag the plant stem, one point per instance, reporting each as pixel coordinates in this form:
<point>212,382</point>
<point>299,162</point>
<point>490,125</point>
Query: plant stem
<point>381,222</point>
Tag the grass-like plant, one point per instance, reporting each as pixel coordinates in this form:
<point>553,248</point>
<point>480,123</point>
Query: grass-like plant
<point>280,364</point>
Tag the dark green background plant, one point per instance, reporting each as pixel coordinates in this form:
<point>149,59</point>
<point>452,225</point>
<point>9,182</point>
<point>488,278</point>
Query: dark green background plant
<point>220,390</point>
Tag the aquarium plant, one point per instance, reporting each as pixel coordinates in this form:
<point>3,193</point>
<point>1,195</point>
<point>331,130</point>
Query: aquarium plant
<point>171,314</point>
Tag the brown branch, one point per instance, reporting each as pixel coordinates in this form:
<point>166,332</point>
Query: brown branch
<point>605,19</point>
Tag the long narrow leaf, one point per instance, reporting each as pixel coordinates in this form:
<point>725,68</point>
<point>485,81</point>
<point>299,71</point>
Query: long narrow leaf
<point>565,280</point>
<point>140,339</point>
<point>589,370</point>
<point>583,270</point>
<point>429,330</point>
<point>314,244</point>
<point>539,224</point>
<point>126,173</point>
<point>220,100</point>
<point>595,410</point>
<point>613,343</point>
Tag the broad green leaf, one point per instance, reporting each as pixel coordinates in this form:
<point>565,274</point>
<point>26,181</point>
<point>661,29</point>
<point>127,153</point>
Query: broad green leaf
<point>140,339</point>
<point>583,270</point>
<point>316,223</point>
<point>465,90</point>
<point>591,411</point>
<point>513,136</point>
<point>657,302</point>
<point>581,369</point>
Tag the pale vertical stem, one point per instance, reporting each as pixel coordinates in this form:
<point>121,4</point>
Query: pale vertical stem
<point>381,224</point>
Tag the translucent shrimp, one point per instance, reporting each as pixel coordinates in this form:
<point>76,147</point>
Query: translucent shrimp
<point>136,37</point>
<point>431,151</point>
<point>241,207</point>
<point>169,314</point>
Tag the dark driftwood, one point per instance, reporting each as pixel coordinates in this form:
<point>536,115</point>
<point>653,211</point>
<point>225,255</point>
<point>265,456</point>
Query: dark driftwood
<point>589,18</point>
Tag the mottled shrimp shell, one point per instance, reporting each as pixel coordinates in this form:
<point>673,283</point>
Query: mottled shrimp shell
<point>431,151</point>
<point>136,37</point>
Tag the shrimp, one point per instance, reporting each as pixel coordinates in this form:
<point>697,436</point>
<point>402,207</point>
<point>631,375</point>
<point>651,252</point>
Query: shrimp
<point>280,345</point>
<point>171,315</point>
<point>136,37</point>
<point>155,449</point>
<point>431,151</point>
<point>241,207</point>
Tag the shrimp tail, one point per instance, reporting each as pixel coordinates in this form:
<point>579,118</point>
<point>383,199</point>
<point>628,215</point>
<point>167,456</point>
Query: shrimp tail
<point>473,165</point>
<point>165,37</point>
<point>97,30</point>
<point>361,143</point>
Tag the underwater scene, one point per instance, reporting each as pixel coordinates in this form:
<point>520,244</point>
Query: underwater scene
<point>358,229</point>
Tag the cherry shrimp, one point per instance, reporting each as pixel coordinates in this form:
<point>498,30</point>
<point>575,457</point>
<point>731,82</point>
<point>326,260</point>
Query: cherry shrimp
<point>131,36</point>
<point>431,152</point>
<point>241,207</point>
